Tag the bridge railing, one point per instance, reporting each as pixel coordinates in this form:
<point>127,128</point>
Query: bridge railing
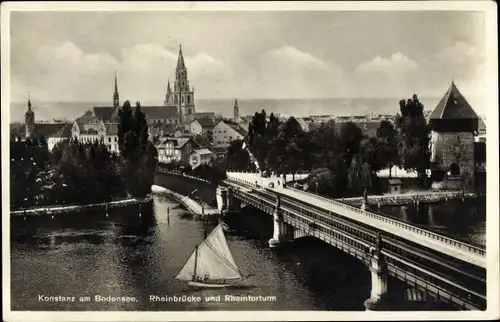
<point>393,222</point>
<point>180,174</point>
<point>398,223</point>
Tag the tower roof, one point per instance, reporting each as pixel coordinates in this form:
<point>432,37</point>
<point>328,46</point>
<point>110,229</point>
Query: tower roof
<point>180,59</point>
<point>116,84</point>
<point>453,106</point>
<point>235,102</point>
<point>29,111</point>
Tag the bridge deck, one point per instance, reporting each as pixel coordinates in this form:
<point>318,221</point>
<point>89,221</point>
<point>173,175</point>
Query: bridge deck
<point>426,238</point>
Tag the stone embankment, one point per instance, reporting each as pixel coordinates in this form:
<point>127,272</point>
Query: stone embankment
<point>191,205</point>
<point>59,209</point>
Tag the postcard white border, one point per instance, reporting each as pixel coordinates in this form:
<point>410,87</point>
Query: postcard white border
<point>492,230</point>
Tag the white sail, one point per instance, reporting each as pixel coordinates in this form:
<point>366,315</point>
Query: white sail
<point>187,271</point>
<point>213,259</point>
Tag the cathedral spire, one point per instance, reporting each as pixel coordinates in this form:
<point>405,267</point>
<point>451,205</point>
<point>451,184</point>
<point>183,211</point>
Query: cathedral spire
<point>169,89</point>
<point>29,103</point>
<point>29,120</point>
<point>180,59</point>
<point>236,110</point>
<point>116,96</point>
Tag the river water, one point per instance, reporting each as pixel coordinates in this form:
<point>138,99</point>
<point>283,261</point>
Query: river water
<point>124,255</point>
<point>461,220</point>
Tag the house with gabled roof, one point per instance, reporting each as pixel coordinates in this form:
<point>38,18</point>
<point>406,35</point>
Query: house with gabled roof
<point>225,131</point>
<point>64,133</point>
<point>199,157</point>
<point>202,126</point>
<point>175,149</point>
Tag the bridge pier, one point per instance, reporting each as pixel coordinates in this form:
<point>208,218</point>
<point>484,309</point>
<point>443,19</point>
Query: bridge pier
<point>379,276</point>
<point>226,202</point>
<point>280,230</point>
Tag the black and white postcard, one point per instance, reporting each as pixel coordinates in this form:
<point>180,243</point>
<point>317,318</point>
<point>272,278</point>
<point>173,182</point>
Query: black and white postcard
<point>215,161</point>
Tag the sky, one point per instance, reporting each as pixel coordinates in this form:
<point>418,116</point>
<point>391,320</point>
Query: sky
<point>72,56</point>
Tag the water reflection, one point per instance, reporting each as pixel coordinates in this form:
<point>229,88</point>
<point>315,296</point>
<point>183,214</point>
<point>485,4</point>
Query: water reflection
<point>124,255</point>
<point>463,220</point>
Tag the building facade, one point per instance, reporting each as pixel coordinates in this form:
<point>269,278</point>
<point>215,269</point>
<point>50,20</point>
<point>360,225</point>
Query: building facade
<point>202,127</point>
<point>199,157</point>
<point>175,149</point>
<point>224,132</point>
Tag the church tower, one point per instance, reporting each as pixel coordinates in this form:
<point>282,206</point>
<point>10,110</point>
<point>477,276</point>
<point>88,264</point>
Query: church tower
<point>29,120</point>
<point>236,110</point>
<point>183,95</point>
<point>116,96</point>
<point>168,96</point>
<point>454,124</point>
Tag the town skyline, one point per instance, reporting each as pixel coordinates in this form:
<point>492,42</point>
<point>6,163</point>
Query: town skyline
<point>287,59</point>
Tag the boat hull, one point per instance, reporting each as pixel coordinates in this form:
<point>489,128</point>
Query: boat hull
<point>208,285</point>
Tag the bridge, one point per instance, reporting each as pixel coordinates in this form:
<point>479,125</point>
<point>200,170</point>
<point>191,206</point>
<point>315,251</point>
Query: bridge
<point>437,266</point>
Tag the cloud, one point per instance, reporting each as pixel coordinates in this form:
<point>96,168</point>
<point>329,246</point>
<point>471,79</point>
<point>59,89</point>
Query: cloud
<point>387,77</point>
<point>397,63</point>
<point>63,72</point>
<point>399,74</point>
<point>291,73</point>
<point>66,73</point>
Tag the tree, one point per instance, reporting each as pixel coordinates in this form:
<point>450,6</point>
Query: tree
<point>138,153</point>
<point>349,142</point>
<point>388,142</point>
<point>322,145</point>
<point>257,143</point>
<point>359,176</point>
<point>237,158</point>
<point>272,131</point>
<point>292,135</point>
<point>415,136</point>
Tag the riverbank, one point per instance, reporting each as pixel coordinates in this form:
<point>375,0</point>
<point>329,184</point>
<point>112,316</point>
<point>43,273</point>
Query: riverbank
<point>188,186</point>
<point>410,197</point>
<point>58,209</point>
<point>192,206</point>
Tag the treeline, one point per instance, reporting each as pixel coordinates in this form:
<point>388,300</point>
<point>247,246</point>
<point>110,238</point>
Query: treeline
<point>349,158</point>
<point>80,173</point>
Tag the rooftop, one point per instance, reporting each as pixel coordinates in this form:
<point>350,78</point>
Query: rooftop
<point>202,151</point>
<point>206,122</point>
<point>453,106</point>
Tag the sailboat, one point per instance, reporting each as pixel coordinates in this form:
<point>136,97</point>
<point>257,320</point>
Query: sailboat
<point>211,263</point>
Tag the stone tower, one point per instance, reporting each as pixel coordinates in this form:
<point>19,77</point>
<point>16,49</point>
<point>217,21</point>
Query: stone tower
<point>454,124</point>
<point>183,95</point>
<point>236,110</point>
<point>116,96</point>
<point>29,120</point>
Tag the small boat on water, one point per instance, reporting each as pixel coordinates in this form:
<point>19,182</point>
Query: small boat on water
<point>211,263</point>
